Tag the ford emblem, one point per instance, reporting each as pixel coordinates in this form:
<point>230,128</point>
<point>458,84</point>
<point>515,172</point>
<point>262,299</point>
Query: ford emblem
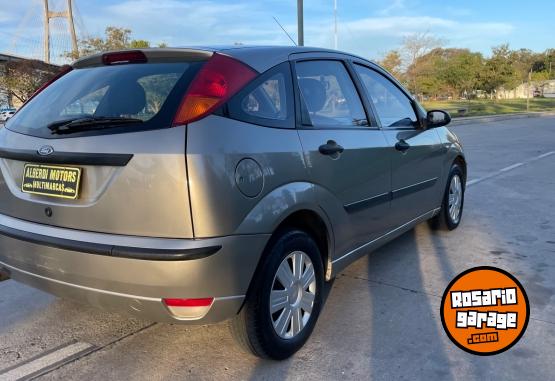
<point>45,150</point>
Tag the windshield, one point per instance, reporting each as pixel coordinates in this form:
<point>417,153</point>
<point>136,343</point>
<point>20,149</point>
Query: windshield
<point>145,95</point>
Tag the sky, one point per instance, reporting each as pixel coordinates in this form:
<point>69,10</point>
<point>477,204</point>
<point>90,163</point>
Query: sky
<point>368,28</point>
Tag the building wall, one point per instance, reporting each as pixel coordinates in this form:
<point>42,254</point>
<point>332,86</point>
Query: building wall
<point>546,88</point>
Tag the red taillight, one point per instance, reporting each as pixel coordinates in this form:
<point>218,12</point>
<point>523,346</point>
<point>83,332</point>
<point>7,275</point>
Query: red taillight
<point>218,80</point>
<point>63,71</point>
<point>202,302</point>
<point>132,56</point>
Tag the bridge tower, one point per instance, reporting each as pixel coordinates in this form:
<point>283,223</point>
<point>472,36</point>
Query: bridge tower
<point>68,15</point>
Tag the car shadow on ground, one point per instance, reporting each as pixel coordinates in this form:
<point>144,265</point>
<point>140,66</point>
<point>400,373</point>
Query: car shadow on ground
<point>383,306</point>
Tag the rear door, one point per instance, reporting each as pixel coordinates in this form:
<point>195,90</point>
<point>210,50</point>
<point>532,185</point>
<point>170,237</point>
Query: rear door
<point>416,154</point>
<point>96,150</point>
<point>345,152</point>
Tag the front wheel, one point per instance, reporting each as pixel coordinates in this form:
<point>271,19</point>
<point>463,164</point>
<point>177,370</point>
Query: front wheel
<point>284,300</point>
<point>450,215</point>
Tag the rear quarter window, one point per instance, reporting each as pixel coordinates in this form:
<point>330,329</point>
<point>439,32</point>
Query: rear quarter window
<point>267,100</point>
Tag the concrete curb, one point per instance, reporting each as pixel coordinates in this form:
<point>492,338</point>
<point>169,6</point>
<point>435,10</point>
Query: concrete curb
<point>495,118</point>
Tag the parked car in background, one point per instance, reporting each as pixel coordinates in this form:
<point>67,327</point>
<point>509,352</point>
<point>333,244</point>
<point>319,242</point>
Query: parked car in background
<point>6,114</point>
<point>198,185</point>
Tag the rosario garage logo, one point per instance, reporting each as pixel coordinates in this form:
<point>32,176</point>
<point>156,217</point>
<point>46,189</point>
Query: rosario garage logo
<point>485,310</point>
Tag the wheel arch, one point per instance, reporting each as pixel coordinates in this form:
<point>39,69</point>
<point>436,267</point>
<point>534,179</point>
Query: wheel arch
<point>314,225</point>
<point>460,160</point>
<point>311,222</point>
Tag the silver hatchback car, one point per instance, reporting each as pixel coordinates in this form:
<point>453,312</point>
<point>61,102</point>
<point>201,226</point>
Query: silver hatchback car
<point>196,185</point>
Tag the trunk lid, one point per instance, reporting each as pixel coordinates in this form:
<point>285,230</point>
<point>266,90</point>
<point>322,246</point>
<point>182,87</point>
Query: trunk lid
<point>132,173</point>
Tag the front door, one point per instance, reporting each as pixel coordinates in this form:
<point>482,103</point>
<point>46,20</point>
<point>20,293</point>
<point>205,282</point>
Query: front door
<point>415,153</point>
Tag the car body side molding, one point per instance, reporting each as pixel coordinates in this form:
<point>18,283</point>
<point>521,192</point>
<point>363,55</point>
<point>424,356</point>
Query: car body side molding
<point>389,196</point>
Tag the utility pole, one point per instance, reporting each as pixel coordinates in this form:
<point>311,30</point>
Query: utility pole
<point>67,14</point>
<point>300,23</point>
<point>46,47</point>
<point>528,91</point>
<point>335,24</point>
<point>71,26</point>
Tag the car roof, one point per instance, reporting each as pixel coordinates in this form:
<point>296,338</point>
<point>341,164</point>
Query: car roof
<point>263,57</point>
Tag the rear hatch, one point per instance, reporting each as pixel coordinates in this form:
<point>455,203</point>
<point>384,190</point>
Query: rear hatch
<point>95,150</point>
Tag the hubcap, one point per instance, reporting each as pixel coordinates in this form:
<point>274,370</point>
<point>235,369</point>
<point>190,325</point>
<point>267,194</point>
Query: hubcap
<point>292,296</point>
<point>455,199</point>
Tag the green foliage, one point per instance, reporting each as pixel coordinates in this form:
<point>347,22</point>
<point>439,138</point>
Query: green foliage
<point>480,107</point>
<point>461,70</point>
<point>139,44</point>
<point>500,70</point>
<point>115,39</point>
<point>432,71</point>
<point>392,62</point>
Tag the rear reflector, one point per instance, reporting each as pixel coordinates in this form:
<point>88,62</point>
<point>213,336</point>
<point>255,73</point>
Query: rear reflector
<point>203,302</point>
<point>132,56</point>
<point>217,81</point>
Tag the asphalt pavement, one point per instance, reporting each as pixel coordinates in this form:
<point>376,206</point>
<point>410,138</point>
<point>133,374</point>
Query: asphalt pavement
<point>381,319</point>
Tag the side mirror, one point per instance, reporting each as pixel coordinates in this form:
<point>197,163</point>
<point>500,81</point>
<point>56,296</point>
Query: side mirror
<point>437,118</point>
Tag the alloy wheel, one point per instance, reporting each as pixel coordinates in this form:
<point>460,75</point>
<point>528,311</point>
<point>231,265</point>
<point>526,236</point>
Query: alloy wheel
<point>292,295</point>
<point>455,198</point>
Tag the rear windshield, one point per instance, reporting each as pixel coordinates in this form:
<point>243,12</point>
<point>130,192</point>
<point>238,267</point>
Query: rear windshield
<point>146,96</point>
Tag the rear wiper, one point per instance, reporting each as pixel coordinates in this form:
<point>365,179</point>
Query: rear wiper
<point>89,123</point>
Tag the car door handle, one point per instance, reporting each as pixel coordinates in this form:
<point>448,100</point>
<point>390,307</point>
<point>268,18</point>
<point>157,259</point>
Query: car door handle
<point>330,148</point>
<point>402,145</point>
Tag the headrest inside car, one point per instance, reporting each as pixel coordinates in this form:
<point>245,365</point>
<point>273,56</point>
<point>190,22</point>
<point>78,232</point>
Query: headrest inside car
<point>314,93</point>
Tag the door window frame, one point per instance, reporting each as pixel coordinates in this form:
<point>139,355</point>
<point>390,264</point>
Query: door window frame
<point>301,111</point>
<point>395,83</point>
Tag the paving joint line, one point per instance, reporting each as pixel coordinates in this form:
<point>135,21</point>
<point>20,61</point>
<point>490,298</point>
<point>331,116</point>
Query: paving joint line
<point>391,285</point>
<point>95,349</point>
<point>508,168</point>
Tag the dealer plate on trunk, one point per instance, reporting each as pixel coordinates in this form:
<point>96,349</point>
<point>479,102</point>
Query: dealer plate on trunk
<point>51,180</point>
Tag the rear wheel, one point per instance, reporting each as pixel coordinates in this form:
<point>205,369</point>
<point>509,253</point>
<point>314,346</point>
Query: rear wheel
<point>449,216</point>
<point>285,298</point>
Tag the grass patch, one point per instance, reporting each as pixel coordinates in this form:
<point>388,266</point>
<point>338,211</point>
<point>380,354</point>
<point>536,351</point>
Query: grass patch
<point>491,107</point>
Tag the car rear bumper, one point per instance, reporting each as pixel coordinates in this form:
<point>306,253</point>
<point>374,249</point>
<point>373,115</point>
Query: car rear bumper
<point>132,274</point>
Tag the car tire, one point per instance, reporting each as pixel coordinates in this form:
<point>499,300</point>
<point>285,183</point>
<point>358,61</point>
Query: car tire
<point>260,331</point>
<point>446,219</point>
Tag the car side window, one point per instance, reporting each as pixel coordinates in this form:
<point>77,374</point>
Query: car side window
<point>268,100</point>
<point>329,94</point>
<point>393,107</point>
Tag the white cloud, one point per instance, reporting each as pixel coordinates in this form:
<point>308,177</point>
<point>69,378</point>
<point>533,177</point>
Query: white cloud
<point>202,22</point>
<point>190,23</point>
<point>374,35</point>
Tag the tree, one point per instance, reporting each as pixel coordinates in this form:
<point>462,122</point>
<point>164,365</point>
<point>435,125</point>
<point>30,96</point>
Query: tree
<point>499,70</point>
<point>425,74</point>
<point>392,62</point>
<point>461,71</point>
<point>23,77</point>
<point>414,47</point>
<point>115,39</point>
<point>549,60</point>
